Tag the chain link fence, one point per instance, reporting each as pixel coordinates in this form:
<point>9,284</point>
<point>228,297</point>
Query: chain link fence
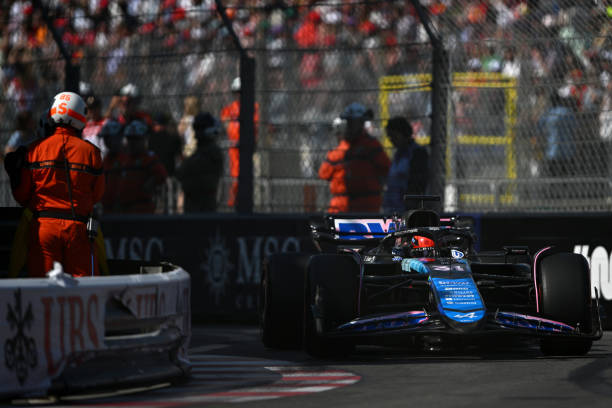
<point>528,120</point>
<point>530,106</point>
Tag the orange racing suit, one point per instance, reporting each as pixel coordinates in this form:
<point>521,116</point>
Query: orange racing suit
<point>56,233</point>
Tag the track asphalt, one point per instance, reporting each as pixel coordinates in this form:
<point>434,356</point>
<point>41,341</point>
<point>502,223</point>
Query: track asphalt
<point>230,365</point>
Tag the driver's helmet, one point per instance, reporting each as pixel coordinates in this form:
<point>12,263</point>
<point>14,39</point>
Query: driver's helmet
<point>421,246</point>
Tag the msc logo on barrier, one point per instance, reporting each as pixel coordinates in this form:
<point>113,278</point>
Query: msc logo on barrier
<point>241,277</point>
<point>20,351</point>
<point>217,267</point>
<point>600,262</point>
<point>135,248</point>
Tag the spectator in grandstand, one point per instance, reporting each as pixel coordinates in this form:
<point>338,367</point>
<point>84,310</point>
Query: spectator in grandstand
<point>539,64</point>
<point>143,173</point>
<point>24,132</point>
<point>185,128</point>
<point>165,141</point>
<point>125,107</point>
<point>230,116</point>
<point>558,127</point>
<point>310,34</point>
<point>409,170</point>
<point>21,81</point>
<point>605,111</point>
<point>113,164</point>
<point>356,167</point>
<point>491,61</point>
<point>199,174</point>
<point>511,66</point>
<point>112,110</point>
<point>95,119</point>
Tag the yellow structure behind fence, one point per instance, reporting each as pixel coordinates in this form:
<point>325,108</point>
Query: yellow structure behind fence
<point>406,84</point>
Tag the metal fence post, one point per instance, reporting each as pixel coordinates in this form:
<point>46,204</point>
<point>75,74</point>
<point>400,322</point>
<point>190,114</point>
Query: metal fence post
<point>246,146</point>
<point>247,134</point>
<point>71,71</point>
<point>439,100</point>
<point>73,77</point>
<point>439,104</point>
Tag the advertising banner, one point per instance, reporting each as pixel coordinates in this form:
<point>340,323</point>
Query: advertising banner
<point>222,253</point>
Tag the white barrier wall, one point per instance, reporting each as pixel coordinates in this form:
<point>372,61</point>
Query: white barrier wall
<point>49,323</point>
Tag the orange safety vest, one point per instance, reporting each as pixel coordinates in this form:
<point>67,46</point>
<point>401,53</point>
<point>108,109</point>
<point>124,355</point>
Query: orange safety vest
<point>230,115</point>
<point>356,171</point>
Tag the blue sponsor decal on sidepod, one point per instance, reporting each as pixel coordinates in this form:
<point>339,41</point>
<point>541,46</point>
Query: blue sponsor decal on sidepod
<point>459,299</point>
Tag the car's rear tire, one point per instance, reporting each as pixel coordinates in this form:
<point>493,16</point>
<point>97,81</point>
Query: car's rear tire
<point>564,280</point>
<point>281,300</point>
<point>330,298</point>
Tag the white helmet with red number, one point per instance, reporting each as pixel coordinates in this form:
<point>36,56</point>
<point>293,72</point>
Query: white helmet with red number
<point>69,109</point>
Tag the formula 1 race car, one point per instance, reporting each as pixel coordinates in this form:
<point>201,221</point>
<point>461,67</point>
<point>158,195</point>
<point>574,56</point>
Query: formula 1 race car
<point>418,277</point>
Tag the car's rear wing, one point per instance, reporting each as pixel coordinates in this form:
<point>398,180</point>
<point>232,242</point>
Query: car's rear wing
<point>360,230</point>
<point>351,231</point>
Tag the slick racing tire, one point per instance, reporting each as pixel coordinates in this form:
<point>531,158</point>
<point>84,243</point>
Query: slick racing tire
<point>330,298</point>
<point>564,280</point>
<point>280,305</point>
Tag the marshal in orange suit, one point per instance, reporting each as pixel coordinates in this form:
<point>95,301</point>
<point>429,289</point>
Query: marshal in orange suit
<point>60,180</point>
<point>230,116</point>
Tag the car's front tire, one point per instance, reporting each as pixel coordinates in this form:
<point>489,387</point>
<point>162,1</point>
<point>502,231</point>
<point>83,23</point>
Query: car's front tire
<point>280,300</point>
<point>564,281</point>
<point>330,293</point>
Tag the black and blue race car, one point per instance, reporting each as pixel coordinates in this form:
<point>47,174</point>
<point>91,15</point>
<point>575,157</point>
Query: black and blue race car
<point>417,278</point>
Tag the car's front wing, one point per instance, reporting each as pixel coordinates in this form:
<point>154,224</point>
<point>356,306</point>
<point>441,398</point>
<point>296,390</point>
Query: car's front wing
<point>497,322</point>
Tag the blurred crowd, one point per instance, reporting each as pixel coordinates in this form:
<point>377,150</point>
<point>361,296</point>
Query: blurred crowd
<point>143,153</point>
<point>546,38</point>
<point>552,47</point>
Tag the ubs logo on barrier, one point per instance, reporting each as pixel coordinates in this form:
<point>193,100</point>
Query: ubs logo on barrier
<point>20,351</point>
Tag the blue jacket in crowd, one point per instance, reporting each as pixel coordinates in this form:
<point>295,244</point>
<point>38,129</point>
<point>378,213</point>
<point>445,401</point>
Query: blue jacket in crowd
<point>408,175</point>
